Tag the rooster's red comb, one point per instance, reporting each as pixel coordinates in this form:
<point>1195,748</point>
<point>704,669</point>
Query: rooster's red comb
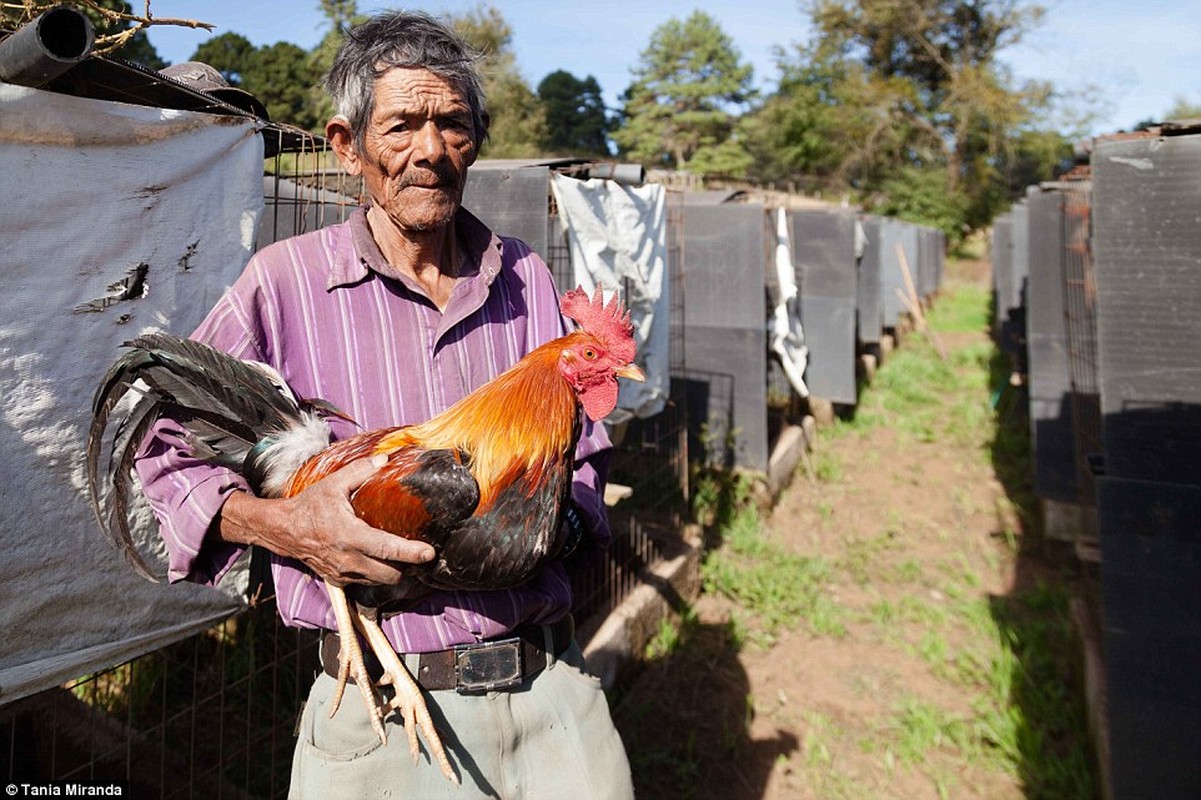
<point>608,323</point>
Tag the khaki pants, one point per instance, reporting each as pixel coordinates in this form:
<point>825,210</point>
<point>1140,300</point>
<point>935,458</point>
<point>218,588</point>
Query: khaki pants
<point>552,738</point>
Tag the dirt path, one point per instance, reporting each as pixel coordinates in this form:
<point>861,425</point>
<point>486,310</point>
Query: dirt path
<point>889,629</point>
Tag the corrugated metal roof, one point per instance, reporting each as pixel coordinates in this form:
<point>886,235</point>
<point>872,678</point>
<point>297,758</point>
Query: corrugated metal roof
<point>712,197</point>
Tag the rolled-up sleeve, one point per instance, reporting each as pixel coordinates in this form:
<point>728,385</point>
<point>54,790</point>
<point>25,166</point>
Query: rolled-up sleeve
<point>186,496</point>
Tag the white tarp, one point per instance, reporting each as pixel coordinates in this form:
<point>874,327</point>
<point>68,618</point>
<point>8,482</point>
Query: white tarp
<point>784,334</point>
<point>114,219</point>
<point>618,239</point>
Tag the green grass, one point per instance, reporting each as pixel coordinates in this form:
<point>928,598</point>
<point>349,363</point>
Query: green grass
<point>1002,663</point>
<point>1012,653</point>
<point>965,309</point>
<point>865,557</point>
<point>778,589</point>
<point>670,635</point>
<point>928,399</point>
<point>826,467</point>
<point>911,390</point>
<point>919,729</point>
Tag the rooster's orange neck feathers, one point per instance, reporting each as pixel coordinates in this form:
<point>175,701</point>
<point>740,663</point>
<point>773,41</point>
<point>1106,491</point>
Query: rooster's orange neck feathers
<point>516,425</point>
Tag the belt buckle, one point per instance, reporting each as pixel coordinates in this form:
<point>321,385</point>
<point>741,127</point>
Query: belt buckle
<point>487,666</point>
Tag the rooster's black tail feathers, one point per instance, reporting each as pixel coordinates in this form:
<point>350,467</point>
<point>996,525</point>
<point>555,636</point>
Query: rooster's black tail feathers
<point>227,406</point>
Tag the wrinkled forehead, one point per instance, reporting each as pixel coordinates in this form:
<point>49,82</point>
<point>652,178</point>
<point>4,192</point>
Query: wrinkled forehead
<point>414,90</point>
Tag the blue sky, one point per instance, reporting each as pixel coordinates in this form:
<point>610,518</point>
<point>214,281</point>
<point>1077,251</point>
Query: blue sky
<point>1143,55</point>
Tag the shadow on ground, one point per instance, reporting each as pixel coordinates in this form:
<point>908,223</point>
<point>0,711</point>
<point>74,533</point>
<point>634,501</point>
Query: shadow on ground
<point>686,723</point>
<point>1049,740</point>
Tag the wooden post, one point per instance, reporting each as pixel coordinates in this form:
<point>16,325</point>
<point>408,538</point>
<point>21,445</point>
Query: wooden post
<point>914,305</point>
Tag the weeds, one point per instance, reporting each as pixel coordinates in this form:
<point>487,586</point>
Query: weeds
<point>779,590</point>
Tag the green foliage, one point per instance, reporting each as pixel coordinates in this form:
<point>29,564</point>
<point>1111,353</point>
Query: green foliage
<point>342,15</point>
<point>900,105</point>
<point>1183,108</point>
<point>728,159</point>
<point>798,134</point>
<point>904,104</point>
<point>517,125</point>
<point>576,123</point>
<point>921,195</point>
<point>282,77</point>
<point>678,107</point>
<point>231,54</point>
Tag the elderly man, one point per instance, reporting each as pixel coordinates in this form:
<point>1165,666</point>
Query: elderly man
<point>393,316</point>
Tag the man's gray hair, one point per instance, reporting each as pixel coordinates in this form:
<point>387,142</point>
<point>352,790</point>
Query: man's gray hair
<point>402,39</point>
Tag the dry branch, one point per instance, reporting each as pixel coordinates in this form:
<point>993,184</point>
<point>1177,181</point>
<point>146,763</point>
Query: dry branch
<point>29,10</point>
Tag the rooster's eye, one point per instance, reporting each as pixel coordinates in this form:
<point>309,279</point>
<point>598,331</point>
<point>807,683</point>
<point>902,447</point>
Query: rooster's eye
<point>589,354</point>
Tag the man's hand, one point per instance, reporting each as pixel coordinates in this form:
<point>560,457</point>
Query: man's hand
<point>319,527</point>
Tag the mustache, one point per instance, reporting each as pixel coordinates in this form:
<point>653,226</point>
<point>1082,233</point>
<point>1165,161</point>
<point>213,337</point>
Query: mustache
<point>440,176</point>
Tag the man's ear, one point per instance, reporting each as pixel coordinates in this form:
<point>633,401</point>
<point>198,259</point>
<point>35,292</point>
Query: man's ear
<point>341,138</point>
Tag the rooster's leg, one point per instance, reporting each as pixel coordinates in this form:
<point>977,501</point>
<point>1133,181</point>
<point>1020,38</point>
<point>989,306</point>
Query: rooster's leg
<point>408,699</point>
<point>350,664</point>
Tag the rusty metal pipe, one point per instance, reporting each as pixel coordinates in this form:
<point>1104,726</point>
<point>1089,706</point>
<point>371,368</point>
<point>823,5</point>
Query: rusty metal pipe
<point>47,47</point>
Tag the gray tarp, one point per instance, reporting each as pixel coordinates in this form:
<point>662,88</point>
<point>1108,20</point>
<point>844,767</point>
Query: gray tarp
<point>115,219</point>
<point>618,239</point>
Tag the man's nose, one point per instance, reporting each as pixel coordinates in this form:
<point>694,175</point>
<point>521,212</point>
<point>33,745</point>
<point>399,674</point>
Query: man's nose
<point>429,143</point>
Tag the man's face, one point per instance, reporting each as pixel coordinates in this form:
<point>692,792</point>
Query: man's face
<point>417,147</point>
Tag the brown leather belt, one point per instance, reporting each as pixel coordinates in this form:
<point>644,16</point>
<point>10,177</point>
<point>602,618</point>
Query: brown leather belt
<point>487,666</point>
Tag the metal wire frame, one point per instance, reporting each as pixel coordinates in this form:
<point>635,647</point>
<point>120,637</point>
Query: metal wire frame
<point>1080,320</point>
<point>599,589</point>
<point>305,189</point>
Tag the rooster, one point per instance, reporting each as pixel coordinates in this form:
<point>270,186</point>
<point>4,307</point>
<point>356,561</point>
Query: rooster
<point>486,482</point>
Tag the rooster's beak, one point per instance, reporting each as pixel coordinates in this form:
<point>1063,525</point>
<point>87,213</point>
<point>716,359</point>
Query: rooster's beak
<point>632,372</point>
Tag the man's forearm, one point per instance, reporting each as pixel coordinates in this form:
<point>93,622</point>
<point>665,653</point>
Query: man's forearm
<point>320,528</point>
<point>245,520</point>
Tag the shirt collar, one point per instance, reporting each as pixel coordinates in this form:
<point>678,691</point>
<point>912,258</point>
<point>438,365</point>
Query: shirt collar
<point>481,251</point>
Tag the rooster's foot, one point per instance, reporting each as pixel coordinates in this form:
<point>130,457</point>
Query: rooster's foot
<point>352,666</point>
<point>408,699</point>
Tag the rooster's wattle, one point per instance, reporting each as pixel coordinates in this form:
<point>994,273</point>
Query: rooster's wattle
<point>486,482</point>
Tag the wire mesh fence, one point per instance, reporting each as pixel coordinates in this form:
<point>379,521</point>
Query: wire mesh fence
<point>1080,319</point>
<point>211,716</point>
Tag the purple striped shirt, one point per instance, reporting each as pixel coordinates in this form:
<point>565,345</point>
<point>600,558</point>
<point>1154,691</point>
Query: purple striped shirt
<point>327,311</point>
